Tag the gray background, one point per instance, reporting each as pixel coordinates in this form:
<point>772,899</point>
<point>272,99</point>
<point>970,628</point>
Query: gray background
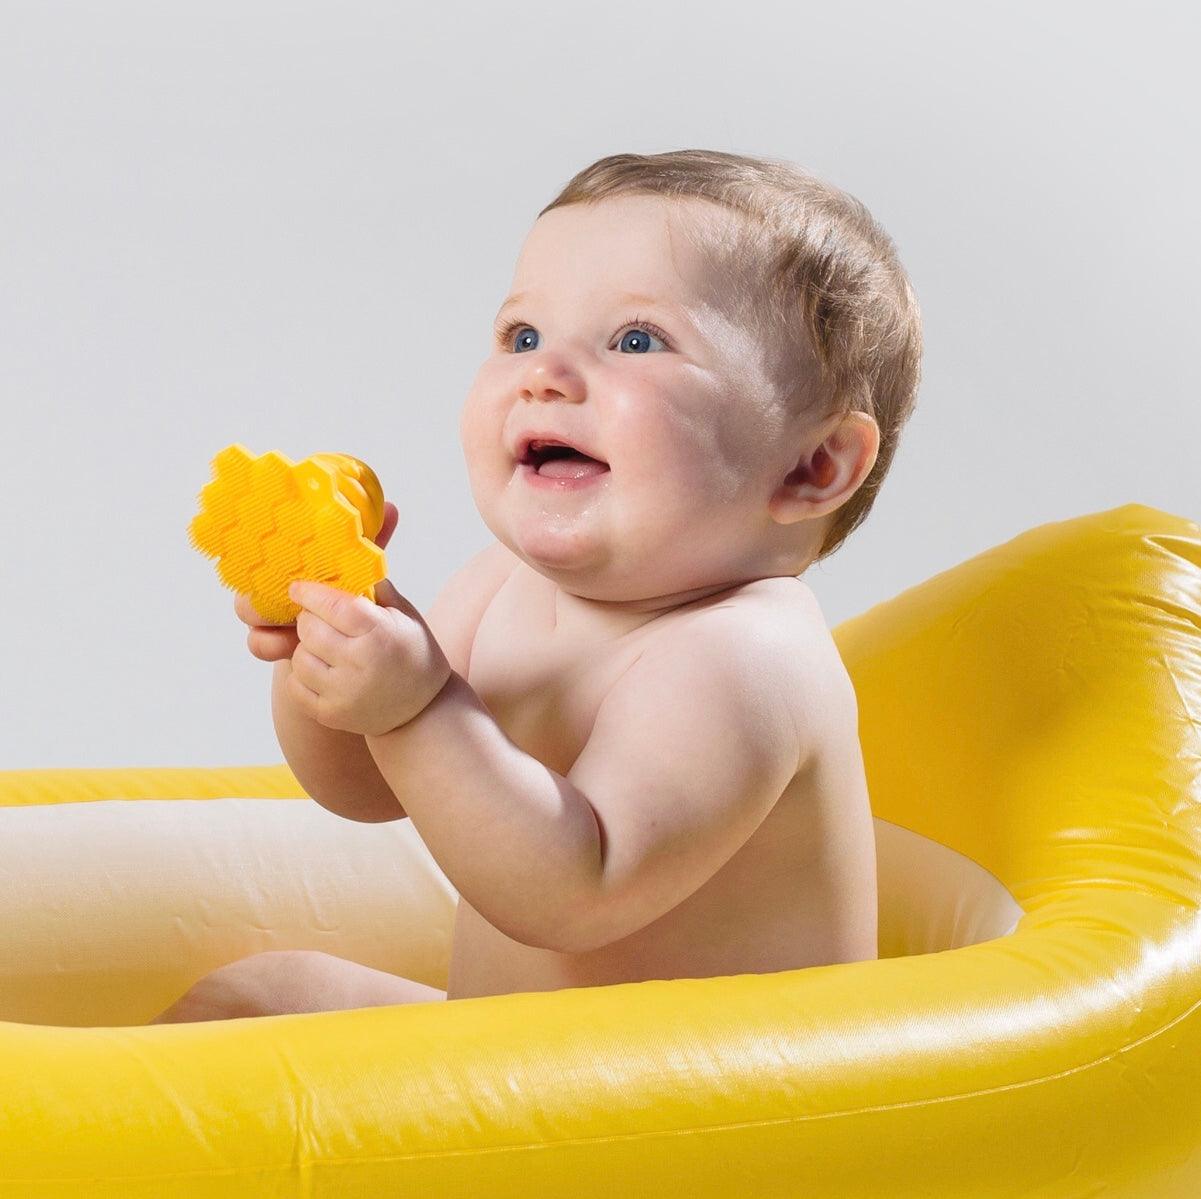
<point>289,225</point>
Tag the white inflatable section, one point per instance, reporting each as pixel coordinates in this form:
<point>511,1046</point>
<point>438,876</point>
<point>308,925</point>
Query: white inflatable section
<point>932,898</point>
<point>105,900</point>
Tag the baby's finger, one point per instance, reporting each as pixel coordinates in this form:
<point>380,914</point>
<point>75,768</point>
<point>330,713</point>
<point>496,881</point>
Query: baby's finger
<point>272,645</point>
<point>309,669</point>
<point>391,516</point>
<point>248,614</point>
<point>320,639</point>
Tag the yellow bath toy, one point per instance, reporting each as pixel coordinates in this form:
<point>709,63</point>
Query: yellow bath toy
<point>269,521</point>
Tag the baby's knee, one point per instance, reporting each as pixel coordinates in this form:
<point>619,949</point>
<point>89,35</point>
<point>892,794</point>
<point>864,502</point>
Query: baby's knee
<point>272,982</point>
<point>222,994</point>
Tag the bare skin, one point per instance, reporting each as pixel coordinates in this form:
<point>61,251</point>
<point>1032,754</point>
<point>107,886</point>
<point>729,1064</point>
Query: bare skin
<point>800,892</point>
<point>716,492</point>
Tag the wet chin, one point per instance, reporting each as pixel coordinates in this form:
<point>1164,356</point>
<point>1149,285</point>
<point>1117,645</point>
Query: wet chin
<point>557,543</point>
<point>574,532</point>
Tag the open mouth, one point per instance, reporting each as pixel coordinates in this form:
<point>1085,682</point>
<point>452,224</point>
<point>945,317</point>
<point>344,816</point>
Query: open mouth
<point>550,460</point>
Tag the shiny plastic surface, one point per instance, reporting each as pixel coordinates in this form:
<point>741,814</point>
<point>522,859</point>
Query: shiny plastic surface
<point>1036,709</point>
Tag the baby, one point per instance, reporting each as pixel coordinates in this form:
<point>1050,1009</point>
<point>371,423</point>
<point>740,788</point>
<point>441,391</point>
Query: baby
<point>623,729</point>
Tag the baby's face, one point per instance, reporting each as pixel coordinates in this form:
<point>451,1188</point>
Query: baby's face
<point>681,400</point>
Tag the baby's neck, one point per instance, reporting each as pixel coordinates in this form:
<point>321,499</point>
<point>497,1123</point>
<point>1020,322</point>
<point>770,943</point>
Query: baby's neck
<point>617,617</point>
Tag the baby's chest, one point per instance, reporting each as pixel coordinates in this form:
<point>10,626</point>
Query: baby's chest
<point>545,696</point>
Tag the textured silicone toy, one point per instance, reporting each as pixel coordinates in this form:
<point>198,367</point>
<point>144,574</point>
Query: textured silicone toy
<point>269,521</point>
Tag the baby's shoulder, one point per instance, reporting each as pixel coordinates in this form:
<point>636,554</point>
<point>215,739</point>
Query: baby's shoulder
<point>784,596</point>
<point>782,617</point>
<point>778,606</point>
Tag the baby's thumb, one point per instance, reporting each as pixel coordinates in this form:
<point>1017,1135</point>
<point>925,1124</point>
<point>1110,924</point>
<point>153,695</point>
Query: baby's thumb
<point>385,594</point>
<point>388,597</point>
<point>388,527</point>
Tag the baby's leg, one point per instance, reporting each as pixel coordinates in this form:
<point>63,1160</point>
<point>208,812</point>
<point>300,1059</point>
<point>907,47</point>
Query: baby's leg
<point>286,981</point>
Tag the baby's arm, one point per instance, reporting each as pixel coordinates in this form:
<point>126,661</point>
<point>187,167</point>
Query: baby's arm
<point>336,768</point>
<point>690,750</point>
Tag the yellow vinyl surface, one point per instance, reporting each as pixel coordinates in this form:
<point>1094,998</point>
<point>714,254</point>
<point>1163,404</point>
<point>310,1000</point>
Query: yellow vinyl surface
<point>1035,709</point>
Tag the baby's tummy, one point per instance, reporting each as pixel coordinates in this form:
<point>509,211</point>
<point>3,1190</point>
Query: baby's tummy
<point>484,961</point>
<point>761,913</point>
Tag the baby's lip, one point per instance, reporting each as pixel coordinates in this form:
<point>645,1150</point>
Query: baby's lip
<point>522,451</point>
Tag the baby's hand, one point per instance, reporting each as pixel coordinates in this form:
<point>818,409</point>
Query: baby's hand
<point>363,667</point>
<point>272,642</point>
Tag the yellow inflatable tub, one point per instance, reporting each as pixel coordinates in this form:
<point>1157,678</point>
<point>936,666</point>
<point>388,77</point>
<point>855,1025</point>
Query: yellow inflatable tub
<point>1031,724</point>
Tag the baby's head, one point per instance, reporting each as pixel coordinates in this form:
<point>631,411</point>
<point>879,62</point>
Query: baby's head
<point>736,340</point>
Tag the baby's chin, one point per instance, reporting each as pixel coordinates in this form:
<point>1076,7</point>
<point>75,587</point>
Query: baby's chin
<point>617,583</point>
<point>559,551</point>
<point>561,536</point>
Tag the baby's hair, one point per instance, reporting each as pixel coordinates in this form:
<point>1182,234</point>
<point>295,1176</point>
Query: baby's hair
<point>812,259</point>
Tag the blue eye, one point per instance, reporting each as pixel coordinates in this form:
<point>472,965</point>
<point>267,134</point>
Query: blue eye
<point>638,332</point>
<point>518,347</point>
<point>634,337</point>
